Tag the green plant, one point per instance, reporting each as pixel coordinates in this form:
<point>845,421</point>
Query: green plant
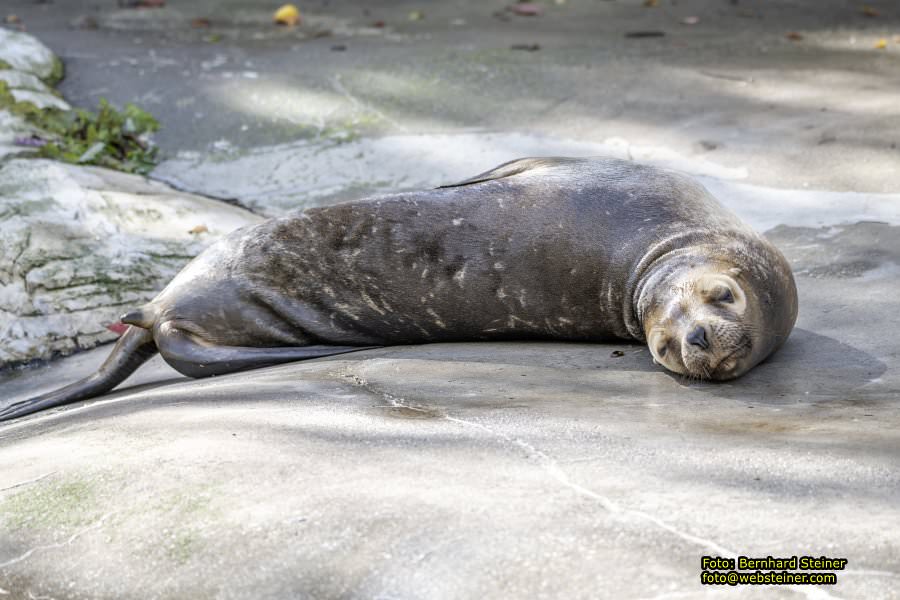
<point>108,138</point>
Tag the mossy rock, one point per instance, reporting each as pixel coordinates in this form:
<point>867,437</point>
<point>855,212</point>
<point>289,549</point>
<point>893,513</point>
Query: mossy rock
<point>23,52</point>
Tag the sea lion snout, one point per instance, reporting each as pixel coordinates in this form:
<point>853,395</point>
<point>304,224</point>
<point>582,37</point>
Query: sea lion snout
<point>697,337</point>
<point>702,327</point>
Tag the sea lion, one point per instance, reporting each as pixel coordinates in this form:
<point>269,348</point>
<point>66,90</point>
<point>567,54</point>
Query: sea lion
<point>538,248</point>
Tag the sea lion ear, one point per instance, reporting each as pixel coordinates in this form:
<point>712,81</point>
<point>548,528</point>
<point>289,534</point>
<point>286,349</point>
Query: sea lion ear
<point>511,168</point>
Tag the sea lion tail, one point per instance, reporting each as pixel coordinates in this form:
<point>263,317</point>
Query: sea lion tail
<point>134,347</point>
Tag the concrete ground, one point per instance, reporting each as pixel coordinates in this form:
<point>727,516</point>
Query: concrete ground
<point>489,470</point>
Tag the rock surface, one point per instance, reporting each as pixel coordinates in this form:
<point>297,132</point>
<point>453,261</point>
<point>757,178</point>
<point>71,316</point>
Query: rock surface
<point>27,69</point>
<point>26,53</point>
<point>78,245</point>
<point>275,179</point>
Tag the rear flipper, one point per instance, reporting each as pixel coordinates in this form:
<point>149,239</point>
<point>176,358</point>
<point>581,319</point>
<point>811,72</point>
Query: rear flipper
<point>131,351</point>
<point>190,357</point>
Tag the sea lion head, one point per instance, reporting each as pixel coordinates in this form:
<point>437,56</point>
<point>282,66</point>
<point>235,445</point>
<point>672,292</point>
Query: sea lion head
<point>719,317</point>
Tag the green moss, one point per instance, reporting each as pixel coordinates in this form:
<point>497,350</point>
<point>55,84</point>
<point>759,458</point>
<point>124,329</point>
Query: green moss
<point>183,547</point>
<point>28,111</point>
<point>52,504</point>
<point>350,130</point>
<point>4,64</point>
<point>57,72</point>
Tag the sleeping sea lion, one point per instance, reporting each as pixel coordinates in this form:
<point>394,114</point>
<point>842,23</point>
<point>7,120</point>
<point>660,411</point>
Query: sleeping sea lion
<point>591,249</point>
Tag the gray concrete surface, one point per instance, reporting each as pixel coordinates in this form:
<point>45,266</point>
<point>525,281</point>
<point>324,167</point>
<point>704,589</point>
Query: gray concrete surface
<point>725,88</point>
<point>491,470</point>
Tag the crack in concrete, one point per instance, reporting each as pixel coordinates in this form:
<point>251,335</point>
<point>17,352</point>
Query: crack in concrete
<point>549,465</point>
<point>96,525</point>
<point>26,482</point>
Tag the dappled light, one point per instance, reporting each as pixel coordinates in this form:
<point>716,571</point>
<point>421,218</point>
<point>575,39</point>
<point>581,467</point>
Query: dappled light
<point>422,300</point>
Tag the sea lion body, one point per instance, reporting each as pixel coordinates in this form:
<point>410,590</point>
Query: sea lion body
<point>564,249</point>
<point>549,253</point>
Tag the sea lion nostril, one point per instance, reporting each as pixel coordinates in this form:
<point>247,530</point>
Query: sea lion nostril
<point>697,337</point>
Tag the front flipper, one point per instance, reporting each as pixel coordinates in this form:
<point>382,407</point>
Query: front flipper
<point>190,357</point>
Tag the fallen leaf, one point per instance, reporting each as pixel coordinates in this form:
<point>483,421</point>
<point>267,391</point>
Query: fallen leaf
<point>415,15</point>
<point>84,22</point>
<point>651,3</point>
<point>378,24</point>
<point>794,36</point>
<point>287,15</point>
<point>526,47</point>
<point>13,19</point>
<point>527,9</point>
<point>198,229</point>
<point>617,354</point>
<point>118,327</point>
<point>644,34</point>
<point>881,44</point>
<point>139,4</point>
<point>690,20</point>
<point>142,3</point>
<point>201,23</point>
<point>870,12</point>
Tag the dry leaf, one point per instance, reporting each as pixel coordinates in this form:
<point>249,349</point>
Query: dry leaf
<point>870,12</point>
<point>201,23</point>
<point>84,22</point>
<point>881,44</point>
<point>13,19</point>
<point>794,36</point>
<point>527,9</point>
<point>142,3</point>
<point>415,15</point>
<point>198,229</point>
<point>287,15</point>
<point>645,34</point>
<point>651,3</point>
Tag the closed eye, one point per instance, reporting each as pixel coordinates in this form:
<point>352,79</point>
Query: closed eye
<point>723,296</point>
